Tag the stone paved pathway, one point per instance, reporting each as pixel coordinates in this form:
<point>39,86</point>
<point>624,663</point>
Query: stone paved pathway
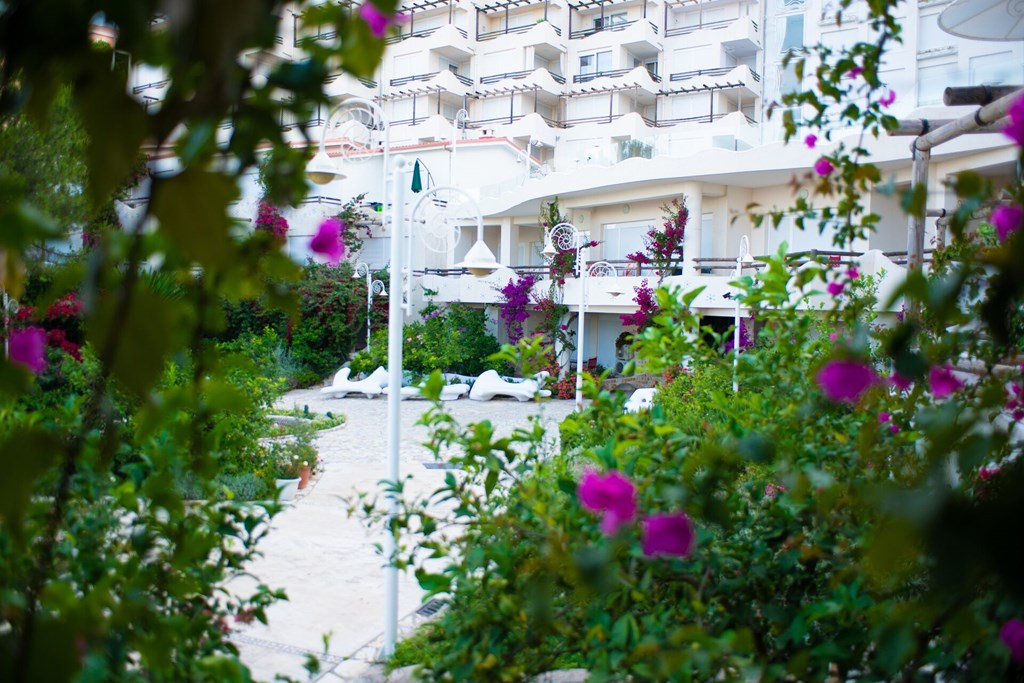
<point>325,561</point>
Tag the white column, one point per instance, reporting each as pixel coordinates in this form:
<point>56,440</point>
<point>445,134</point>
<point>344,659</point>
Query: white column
<point>506,256</point>
<point>693,193</point>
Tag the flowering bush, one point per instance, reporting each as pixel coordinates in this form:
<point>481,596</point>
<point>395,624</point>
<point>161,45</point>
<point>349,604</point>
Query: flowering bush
<point>664,248</point>
<point>515,300</point>
<point>647,307</point>
<point>270,220</point>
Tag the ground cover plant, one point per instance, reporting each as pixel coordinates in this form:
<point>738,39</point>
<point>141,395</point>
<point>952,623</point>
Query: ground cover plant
<point>106,572</point>
<point>853,511</point>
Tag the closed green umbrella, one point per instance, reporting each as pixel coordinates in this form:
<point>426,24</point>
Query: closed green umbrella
<point>417,182</point>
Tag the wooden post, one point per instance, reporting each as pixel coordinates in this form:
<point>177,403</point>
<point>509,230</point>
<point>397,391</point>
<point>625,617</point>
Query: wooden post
<point>915,226</point>
<point>976,94</point>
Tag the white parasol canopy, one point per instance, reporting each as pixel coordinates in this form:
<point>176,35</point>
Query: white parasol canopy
<point>984,19</point>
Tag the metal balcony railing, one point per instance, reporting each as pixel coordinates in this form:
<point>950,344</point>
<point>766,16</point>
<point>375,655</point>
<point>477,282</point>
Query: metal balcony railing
<point>421,34</point>
<point>620,26</point>
<point>716,71</point>
<point>710,26</point>
<point>155,85</point>
<point>491,35</point>
<point>494,78</point>
<point>585,78</point>
<point>405,80</point>
<point>368,82</point>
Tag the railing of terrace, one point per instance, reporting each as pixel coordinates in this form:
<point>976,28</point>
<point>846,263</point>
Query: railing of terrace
<point>716,71</point>
<point>421,34</point>
<point>491,35</point>
<point>155,85</point>
<point>801,257</point>
<point>426,77</point>
<point>494,78</point>
<point>621,26</point>
<point>710,26</point>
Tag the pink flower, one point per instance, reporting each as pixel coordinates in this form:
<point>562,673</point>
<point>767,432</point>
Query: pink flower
<point>811,140</point>
<point>836,288</point>
<point>327,240</point>
<point>943,382</point>
<point>1015,128</point>
<point>844,381</point>
<point>986,473</point>
<point>28,347</point>
<point>852,272</point>
<point>668,534</point>
<point>1012,635</point>
<point>833,336</point>
<point>379,22</point>
<point>855,71</point>
<point>887,100</point>
<point>1007,219</point>
<point>884,416</point>
<point>772,490</point>
<point>900,382</point>
<point>894,429</point>
<point>613,494</point>
<point>823,167</point>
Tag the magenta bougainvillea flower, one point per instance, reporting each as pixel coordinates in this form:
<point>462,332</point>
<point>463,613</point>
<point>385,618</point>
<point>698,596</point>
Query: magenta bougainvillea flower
<point>823,167</point>
<point>884,416</point>
<point>379,22</point>
<point>855,71</point>
<point>1012,635</point>
<point>900,382</point>
<point>986,472</point>
<point>887,100</point>
<point>1007,219</point>
<point>852,272</point>
<point>327,240</point>
<point>612,494</point>
<point>836,288</point>
<point>1015,128</point>
<point>943,382</point>
<point>811,140</point>
<point>27,347</point>
<point>844,381</point>
<point>668,534</point>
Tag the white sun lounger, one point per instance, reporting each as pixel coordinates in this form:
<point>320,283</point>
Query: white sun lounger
<point>449,392</point>
<point>490,384</point>
<point>369,387</point>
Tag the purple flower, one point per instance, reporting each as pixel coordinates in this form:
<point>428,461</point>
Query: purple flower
<point>894,428</point>
<point>613,494</point>
<point>28,347</point>
<point>884,416</point>
<point>943,382</point>
<point>1015,128</point>
<point>327,240</point>
<point>836,288</point>
<point>900,382</point>
<point>887,100</point>
<point>987,473</point>
<point>811,140</point>
<point>1007,219</point>
<point>843,381</point>
<point>823,167</point>
<point>1012,635</point>
<point>855,71</point>
<point>852,272</point>
<point>668,534</point>
<point>379,22</point>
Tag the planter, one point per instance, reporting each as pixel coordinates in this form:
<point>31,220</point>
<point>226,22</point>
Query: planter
<point>287,488</point>
<point>304,477</point>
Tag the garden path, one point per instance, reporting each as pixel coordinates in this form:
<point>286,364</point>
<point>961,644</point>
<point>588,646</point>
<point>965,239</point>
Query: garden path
<point>325,561</point>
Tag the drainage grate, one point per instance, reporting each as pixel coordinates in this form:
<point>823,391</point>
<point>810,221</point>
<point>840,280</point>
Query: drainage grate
<point>442,466</point>
<point>430,607</point>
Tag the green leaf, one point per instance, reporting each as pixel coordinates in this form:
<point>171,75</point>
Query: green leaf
<point>193,211</point>
<point>26,454</point>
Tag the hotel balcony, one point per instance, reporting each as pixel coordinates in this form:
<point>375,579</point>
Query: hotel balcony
<point>741,35</point>
<point>448,40</point>
<point>538,78</point>
<point>640,36</point>
<point>716,78</point>
<point>436,80</point>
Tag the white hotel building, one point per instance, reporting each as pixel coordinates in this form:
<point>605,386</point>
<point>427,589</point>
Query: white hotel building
<point>618,106</point>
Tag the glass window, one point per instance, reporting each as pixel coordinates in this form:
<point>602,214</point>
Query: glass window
<point>600,61</point>
<point>997,69</point>
<point>793,33</point>
<point>621,239</point>
<point>932,81</point>
<point>929,35</point>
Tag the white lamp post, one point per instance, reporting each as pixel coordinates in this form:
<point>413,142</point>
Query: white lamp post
<point>373,287</point>
<point>743,260</point>
<point>564,237</point>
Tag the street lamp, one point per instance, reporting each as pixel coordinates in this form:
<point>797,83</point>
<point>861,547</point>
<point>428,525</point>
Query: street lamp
<point>565,237</point>
<point>743,260</point>
<point>372,287</point>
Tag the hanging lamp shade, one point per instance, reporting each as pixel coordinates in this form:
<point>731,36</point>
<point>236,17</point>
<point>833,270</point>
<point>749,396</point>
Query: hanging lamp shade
<point>417,180</point>
<point>984,19</point>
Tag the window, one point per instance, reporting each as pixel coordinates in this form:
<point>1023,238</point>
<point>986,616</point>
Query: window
<point>595,63</point>
<point>997,69</point>
<point>793,32</point>
<point>622,239</point>
<point>651,65</point>
<point>788,81</point>
<point>930,37</point>
<point>932,81</point>
<point>610,20</point>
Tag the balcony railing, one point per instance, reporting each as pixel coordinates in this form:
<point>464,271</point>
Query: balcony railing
<point>405,80</point>
<point>586,78</point>
<point>155,85</point>
<point>368,82</point>
<point>421,34</point>
<point>716,71</point>
<point>703,118</point>
<point>502,120</point>
<point>491,35</point>
<point>494,78</point>
<point>709,26</point>
<point>620,26</point>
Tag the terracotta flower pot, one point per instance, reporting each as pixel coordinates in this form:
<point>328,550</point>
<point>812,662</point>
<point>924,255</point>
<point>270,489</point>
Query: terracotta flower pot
<point>304,473</point>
